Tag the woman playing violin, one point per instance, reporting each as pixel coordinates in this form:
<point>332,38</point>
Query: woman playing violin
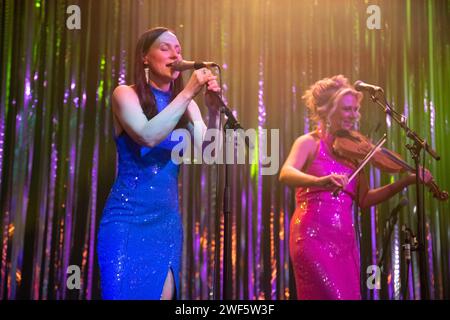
<point>323,246</point>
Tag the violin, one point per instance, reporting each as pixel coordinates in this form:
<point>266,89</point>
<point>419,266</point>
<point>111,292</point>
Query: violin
<point>354,147</point>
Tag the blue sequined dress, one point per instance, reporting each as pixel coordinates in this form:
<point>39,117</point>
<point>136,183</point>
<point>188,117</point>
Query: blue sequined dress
<point>140,233</point>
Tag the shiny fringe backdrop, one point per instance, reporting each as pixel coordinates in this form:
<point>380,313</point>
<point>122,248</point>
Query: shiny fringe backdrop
<point>58,160</point>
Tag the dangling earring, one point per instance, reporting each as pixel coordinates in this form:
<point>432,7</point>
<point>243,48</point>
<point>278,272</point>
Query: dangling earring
<point>147,73</point>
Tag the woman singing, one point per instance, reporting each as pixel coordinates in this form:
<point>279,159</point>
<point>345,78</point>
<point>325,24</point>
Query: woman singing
<point>140,234</point>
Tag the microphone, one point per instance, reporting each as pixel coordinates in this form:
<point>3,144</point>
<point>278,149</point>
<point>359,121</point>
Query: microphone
<point>361,86</point>
<point>187,65</point>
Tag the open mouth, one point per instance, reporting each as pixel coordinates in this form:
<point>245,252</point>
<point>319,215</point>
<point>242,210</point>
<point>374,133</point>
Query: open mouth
<point>173,71</point>
<point>171,64</point>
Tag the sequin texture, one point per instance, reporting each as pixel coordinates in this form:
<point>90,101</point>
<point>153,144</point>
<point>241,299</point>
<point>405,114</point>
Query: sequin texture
<point>322,241</point>
<point>140,233</point>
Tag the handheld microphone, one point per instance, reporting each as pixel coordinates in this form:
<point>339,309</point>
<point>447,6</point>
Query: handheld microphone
<point>183,65</point>
<point>361,86</point>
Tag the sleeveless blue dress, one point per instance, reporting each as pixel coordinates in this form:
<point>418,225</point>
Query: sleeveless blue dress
<point>140,233</point>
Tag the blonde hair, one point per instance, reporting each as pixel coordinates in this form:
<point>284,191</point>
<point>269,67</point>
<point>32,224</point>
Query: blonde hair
<point>322,97</point>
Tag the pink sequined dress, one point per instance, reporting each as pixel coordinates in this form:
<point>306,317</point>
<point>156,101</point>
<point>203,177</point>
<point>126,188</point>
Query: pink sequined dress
<point>323,245</point>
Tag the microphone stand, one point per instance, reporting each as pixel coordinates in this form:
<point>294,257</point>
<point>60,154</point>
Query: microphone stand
<point>233,124</point>
<point>410,244</point>
<point>392,220</point>
<point>227,289</point>
<point>415,150</point>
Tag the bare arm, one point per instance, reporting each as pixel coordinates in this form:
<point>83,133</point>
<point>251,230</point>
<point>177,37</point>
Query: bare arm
<point>370,197</point>
<point>128,111</point>
<point>197,126</point>
<point>292,173</point>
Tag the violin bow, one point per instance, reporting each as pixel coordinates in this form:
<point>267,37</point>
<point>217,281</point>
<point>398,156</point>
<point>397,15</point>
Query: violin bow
<point>363,162</point>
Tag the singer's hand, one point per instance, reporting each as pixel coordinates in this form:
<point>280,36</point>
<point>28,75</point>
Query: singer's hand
<point>198,79</point>
<point>332,181</point>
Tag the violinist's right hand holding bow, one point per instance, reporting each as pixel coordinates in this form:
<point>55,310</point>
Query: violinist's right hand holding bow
<point>332,181</point>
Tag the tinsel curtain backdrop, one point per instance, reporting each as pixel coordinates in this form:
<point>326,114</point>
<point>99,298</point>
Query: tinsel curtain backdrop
<point>58,157</point>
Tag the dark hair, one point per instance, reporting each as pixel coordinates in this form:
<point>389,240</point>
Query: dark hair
<point>142,88</point>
